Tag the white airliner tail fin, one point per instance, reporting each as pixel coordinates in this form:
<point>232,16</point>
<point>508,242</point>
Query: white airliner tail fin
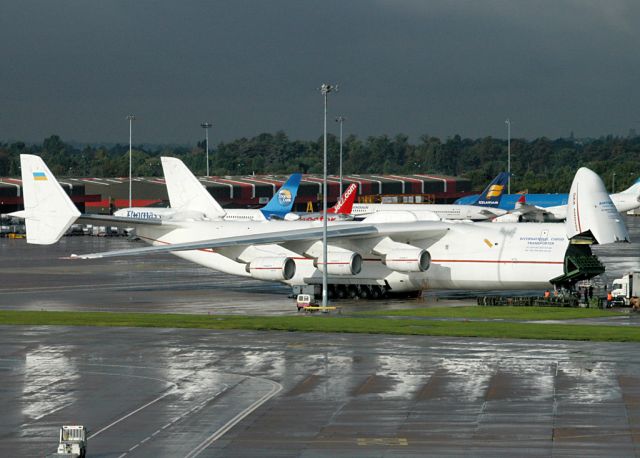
<point>186,193</point>
<point>48,210</point>
<point>590,212</point>
<point>633,189</point>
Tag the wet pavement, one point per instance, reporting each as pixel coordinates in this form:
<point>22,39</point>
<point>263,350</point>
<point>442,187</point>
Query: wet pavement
<point>185,393</point>
<point>35,278</point>
<point>168,392</point>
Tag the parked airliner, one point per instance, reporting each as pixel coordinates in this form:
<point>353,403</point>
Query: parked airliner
<point>481,208</point>
<point>278,207</point>
<point>553,207</point>
<point>406,255</point>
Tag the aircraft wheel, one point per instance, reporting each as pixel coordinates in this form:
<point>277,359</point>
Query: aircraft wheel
<point>331,291</point>
<point>376,293</point>
<point>353,291</point>
<point>341,291</point>
<point>364,292</point>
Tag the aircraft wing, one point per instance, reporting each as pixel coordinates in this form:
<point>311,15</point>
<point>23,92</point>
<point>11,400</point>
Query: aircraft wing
<point>116,220</point>
<point>357,230</point>
<point>490,214</point>
<point>533,212</point>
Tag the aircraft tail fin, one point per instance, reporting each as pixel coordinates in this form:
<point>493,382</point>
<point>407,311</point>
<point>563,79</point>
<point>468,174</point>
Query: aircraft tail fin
<point>591,215</point>
<point>186,193</point>
<point>282,201</point>
<point>48,210</point>
<point>633,189</point>
<point>492,194</point>
<point>345,203</point>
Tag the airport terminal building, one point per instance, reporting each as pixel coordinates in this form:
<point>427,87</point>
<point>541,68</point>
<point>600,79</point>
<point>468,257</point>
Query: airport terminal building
<point>102,195</point>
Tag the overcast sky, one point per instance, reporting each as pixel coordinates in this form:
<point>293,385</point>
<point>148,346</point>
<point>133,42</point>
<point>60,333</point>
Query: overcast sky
<point>77,68</point>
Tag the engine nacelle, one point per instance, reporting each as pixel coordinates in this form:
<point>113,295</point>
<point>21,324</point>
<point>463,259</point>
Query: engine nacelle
<point>408,260</point>
<point>341,263</point>
<point>275,268</point>
<point>507,218</point>
<point>291,217</point>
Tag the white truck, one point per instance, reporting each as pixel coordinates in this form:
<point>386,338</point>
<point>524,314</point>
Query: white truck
<point>73,442</point>
<point>626,288</point>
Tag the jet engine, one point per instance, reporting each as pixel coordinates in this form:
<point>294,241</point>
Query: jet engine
<point>275,268</point>
<point>341,263</point>
<point>507,218</point>
<point>408,260</point>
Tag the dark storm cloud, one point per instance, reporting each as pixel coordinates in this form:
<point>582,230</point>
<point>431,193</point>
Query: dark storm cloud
<point>76,68</point>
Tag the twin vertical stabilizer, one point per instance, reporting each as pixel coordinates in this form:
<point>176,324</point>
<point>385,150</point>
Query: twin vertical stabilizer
<point>48,210</point>
<point>186,193</point>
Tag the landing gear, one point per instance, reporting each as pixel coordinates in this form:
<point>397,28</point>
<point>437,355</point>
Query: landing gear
<point>346,292</point>
<point>364,292</point>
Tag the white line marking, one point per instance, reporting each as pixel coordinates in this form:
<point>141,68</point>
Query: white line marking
<point>153,401</point>
<point>275,389</point>
<point>194,409</point>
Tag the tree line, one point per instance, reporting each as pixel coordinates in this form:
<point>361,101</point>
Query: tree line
<point>539,165</point>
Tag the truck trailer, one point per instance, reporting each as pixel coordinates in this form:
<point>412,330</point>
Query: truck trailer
<point>625,290</point>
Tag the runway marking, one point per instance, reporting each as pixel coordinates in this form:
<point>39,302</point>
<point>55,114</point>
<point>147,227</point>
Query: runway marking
<point>199,406</point>
<point>384,441</point>
<point>275,389</point>
<point>153,401</point>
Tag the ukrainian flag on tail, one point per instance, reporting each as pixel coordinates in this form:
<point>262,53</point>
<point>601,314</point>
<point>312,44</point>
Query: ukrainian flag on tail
<point>39,176</point>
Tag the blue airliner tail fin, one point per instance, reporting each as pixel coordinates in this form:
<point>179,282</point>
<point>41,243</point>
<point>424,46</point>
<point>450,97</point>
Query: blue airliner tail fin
<point>282,201</point>
<point>492,194</point>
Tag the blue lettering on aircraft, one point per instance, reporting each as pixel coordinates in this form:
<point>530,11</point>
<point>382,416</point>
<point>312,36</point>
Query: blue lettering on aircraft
<point>142,215</point>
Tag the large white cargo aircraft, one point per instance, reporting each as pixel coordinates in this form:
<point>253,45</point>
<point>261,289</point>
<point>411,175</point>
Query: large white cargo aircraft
<point>375,256</point>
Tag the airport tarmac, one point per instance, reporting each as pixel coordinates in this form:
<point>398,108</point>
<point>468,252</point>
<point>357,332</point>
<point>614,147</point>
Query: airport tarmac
<point>186,393</point>
<point>35,278</point>
<point>168,392</point>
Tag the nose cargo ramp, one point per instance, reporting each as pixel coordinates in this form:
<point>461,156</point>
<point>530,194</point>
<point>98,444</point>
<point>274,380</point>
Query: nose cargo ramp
<point>592,218</point>
<point>579,264</point>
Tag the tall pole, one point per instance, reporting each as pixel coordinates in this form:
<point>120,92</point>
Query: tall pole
<point>613,183</point>
<point>324,89</point>
<point>508,123</point>
<point>340,119</point>
<point>206,125</point>
<point>131,118</point>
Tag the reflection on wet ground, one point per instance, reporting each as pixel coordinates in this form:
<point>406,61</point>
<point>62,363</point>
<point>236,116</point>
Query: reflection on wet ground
<point>163,392</point>
<point>166,392</point>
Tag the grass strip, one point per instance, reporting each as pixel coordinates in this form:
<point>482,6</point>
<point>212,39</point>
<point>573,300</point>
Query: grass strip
<point>320,323</point>
<point>506,313</point>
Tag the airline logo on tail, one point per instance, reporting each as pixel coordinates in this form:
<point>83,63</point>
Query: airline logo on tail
<point>495,190</point>
<point>284,197</point>
<point>491,196</point>
<point>39,176</point>
<point>282,201</point>
<point>345,204</point>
